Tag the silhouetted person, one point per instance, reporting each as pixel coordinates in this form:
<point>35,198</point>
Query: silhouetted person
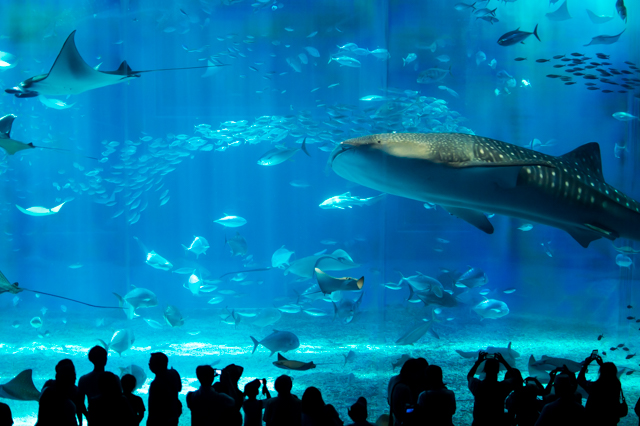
<point>56,406</point>
<point>523,406</point>
<point>564,410</point>
<point>437,403</point>
<point>6,419</point>
<point>88,384</point>
<point>407,387</point>
<point>228,384</point>
<point>209,407</point>
<point>315,412</point>
<point>164,406</point>
<point>110,407</point>
<point>252,406</point>
<point>129,382</point>
<point>284,409</point>
<point>358,413</point>
<point>604,393</point>
<point>489,394</point>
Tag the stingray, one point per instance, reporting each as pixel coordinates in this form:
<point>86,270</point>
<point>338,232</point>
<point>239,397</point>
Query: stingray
<point>329,284</point>
<point>20,388</point>
<point>598,19</point>
<point>604,39</point>
<point>71,75</point>
<point>561,14</point>
<point>12,146</point>
<point>7,287</point>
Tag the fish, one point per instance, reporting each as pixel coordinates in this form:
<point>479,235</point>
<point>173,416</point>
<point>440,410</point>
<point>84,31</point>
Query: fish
<point>349,357</point>
<point>400,361</point>
<point>315,312</point>
<point>480,57</point>
<point>410,58</point>
<point>71,75</point>
<point>347,201</point>
<point>137,298</point>
<point>429,298</point>
<point>153,323</point>
<point>11,146</point>
<point>491,308</point>
<point>339,260</point>
<point>624,116</point>
<point>329,284</point>
<point>280,258</point>
<point>464,6</point>
<point>622,10</point>
<point>560,14</point>
<point>548,363</point>
<point>433,75</point>
<point>516,36</point>
<point>137,372</point>
<point>449,91</point>
<point>605,39</point>
<point>20,388</point>
<point>470,175</point>
<point>624,261</point>
<point>280,155</point>
<point>526,227</point>
<point>421,282</point>
<point>198,246</point>
<point>153,259</point>
<point>473,277</point>
<point>173,317</point>
<point>121,341</point>
<point>238,245</point>
<point>231,221</point>
<point>278,341</point>
<point>416,333</point>
<point>40,211</point>
<point>346,61</point>
<point>346,309</point>
<point>598,19</point>
<point>287,364</point>
<point>266,317</point>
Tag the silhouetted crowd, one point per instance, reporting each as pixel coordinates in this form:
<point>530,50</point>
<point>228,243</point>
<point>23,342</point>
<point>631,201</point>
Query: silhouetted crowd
<point>416,396</point>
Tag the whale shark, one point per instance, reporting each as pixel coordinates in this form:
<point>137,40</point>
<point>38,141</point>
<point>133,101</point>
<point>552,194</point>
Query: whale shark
<point>71,75</point>
<point>469,175</point>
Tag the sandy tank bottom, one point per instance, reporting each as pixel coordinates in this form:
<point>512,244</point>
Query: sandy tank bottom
<point>205,340</point>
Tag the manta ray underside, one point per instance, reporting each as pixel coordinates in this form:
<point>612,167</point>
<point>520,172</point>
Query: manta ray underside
<point>71,75</point>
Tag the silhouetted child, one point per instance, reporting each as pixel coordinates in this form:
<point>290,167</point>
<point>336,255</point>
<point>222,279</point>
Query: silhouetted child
<point>5,415</point>
<point>252,406</point>
<point>128,383</point>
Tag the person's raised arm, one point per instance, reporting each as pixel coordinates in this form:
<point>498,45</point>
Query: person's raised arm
<point>481,357</point>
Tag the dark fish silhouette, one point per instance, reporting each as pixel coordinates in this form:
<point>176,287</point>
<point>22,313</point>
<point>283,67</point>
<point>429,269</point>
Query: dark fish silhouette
<point>289,364</point>
<point>20,388</point>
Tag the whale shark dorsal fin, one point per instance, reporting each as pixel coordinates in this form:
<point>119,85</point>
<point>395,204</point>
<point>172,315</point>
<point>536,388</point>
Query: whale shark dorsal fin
<point>587,157</point>
<point>473,217</point>
<point>281,358</point>
<point>5,125</point>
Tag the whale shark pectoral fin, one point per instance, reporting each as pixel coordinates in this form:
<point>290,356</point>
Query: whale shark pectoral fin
<point>473,217</point>
<point>584,237</point>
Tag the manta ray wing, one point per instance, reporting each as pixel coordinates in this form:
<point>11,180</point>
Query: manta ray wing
<point>12,146</point>
<point>20,388</point>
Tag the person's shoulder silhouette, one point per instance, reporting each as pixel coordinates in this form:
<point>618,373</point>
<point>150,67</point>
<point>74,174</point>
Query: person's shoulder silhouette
<point>206,404</point>
<point>286,408</point>
<point>164,405</point>
<point>56,406</point>
<point>6,419</point>
<point>128,382</point>
<point>110,407</point>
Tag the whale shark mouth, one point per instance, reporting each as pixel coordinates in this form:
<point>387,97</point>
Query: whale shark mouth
<point>339,150</point>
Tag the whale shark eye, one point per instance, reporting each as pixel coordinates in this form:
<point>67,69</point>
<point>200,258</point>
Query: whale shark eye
<point>379,141</point>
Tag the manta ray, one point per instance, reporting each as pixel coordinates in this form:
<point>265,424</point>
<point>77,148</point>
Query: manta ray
<point>20,388</point>
<point>71,75</point>
<point>11,146</point>
<point>469,175</point>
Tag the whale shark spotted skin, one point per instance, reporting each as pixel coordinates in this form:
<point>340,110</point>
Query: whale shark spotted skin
<point>468,175</point>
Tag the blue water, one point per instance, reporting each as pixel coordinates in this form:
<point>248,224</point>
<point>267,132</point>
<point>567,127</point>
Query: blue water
<point>172,131</point>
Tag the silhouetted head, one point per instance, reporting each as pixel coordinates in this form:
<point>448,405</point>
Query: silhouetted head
<point>158,362</point>
<point>109,384</point>
<point>608,375</point>
<point>358,411</point>
<point>514,374</point>
<point>565,385</point>
<point>434,378</point>
<point>491,368</point>
<point>98,356</point>
<point>205,375</point>
<point>252,388</point>
<point>312,402</point>
<point>231,373</point>
<point>413,372</point>
<point>65,372</point>
<point>283,385</point>
<point>128,382</point>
